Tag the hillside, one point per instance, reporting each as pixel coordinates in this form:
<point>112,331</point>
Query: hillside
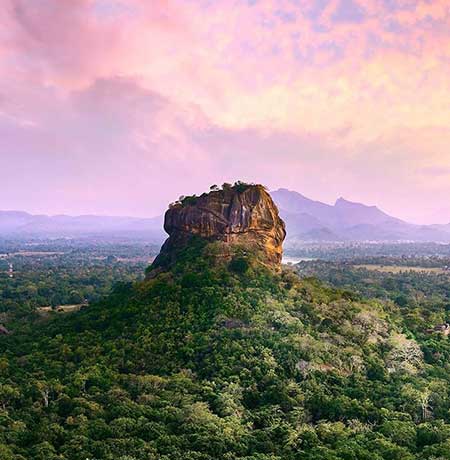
<point>224,359</point>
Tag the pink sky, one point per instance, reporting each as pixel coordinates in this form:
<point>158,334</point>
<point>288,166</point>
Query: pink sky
<point>120,106</point>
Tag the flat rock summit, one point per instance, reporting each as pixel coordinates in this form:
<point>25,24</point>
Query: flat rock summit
<point>240,219</point>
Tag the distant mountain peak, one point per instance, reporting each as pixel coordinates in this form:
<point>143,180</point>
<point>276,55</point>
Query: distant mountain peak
<point>341,202</point>
<point>348,220</point>
<point>286,191</point>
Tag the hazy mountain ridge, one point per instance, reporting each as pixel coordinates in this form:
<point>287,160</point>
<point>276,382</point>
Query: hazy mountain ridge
<point>19,223</point>
<point>309,220</point>
<point>306,220</point>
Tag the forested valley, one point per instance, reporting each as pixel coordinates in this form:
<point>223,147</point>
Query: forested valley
<point>225,361</point>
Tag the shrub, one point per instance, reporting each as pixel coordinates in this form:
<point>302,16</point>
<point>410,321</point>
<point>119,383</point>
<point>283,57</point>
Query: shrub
<point>239,265</point>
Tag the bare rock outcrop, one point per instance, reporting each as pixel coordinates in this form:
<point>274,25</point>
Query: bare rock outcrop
<point>237,217</point>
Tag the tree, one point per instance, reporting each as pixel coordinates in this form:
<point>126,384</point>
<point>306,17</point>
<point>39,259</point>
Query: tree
<point>239,265</point>
<point>8,394</point>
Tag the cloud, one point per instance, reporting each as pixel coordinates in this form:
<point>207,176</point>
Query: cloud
<point>166,96</point>
<point>436,171</point>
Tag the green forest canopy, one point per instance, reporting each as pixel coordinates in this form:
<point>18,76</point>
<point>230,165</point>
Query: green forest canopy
<point>216,362</point>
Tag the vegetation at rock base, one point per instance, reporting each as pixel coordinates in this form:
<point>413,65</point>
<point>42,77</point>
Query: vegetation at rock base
<point>205,362</point>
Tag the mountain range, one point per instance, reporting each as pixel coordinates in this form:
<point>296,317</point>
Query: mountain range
<point>23,224</point>
<point>309,220</point>
<point>306,220</point>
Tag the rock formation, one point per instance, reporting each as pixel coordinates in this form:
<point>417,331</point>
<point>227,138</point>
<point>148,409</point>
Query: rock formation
<point>239,218</point>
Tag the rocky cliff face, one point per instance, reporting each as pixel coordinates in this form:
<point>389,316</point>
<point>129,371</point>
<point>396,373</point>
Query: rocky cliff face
<point>240,218</point>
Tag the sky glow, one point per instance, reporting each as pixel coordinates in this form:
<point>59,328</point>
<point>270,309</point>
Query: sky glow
<point>118,107</point>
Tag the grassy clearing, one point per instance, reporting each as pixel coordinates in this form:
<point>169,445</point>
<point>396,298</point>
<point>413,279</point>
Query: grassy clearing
<point>402,269</point>
<point>62,308</point>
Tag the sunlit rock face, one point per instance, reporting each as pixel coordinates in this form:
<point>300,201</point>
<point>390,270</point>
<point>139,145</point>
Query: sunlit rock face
<point>238,218</point>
